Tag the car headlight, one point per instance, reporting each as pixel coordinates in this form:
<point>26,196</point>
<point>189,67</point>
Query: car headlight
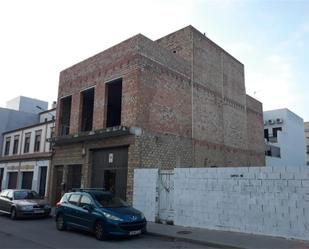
<point>27,208</point>
<point>112,217</point>
<point>47,206</point>
<point>142,216</point>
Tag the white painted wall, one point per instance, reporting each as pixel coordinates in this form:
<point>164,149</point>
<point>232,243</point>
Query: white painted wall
<point>260,200</point>
<point>25,166</point>
<point>46,129</point>
<point>307,139</point>
<point>291,140</point>
<point>145,194</point>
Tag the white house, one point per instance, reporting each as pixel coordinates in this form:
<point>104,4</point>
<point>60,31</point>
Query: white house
<point>284,138</point>
<point>307,139</point>
<point>26,155</point>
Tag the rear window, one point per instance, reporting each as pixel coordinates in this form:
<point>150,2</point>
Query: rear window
<point>85,200</point>
<point>74,198</point>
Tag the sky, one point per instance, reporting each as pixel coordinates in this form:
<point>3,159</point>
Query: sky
<point>40,38</point>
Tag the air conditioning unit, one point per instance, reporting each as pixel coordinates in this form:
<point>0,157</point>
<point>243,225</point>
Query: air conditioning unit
<point>271,121</point>
<point>279,121</point>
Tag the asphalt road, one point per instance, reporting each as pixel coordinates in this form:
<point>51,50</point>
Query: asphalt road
<point>42,233</point>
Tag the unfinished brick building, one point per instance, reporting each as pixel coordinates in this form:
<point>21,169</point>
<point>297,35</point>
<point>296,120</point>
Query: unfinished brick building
<point>179,101</point>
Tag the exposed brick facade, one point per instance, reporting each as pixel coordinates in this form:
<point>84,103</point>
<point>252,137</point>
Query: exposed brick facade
<point>185,94</point>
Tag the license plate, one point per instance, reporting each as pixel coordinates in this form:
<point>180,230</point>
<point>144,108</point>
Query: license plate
<point>135,232</point>
<point>38,211</point>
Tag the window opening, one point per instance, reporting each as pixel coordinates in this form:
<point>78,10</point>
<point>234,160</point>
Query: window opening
<point>37,141</point>
<point>15,144</point>
<point>7,146</point>
<point>65,114</point>
<point>114,98</point>
<point>27,142</point>
<point>87,98</point>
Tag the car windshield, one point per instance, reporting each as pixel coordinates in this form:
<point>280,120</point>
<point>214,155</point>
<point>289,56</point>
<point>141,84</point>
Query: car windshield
<point>20,195</point>
<point>110,201</point>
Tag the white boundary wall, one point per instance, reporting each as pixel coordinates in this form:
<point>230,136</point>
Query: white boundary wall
<point>260,200</point>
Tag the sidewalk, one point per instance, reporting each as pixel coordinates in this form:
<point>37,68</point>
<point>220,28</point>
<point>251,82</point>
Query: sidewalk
<point>221,239</point>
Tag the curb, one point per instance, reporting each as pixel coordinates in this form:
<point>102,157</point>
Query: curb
<point>199,242</point>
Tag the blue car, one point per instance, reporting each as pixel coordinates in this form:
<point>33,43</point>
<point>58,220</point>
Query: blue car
<point>99,212</point>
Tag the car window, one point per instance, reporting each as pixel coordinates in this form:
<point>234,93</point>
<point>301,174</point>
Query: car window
<point>31,195</point>
<point>74,198</point>
<point>10,194</point>
<point>4,193</point>
<point>85,200</point>
<point>64,198</point>
<point>110,201</point>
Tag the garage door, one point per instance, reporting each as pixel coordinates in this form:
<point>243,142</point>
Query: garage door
<point>109,170</point>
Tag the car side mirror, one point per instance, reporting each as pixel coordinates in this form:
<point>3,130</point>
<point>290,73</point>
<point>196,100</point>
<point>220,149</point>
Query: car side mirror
<point>10,198</point>
<point>87,207</point>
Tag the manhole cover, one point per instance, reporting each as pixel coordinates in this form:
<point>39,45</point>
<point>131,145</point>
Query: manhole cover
<point>184,232</point>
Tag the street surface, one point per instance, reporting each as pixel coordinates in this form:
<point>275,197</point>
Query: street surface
<point>42,233</point>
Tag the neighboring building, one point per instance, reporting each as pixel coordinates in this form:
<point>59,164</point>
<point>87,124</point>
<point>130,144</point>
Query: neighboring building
<point>25,104</point>
<point>19,112</point>
<point>179,101</point>
<point>307,139</point>
<point>284,136</point>
<point>26,155</point>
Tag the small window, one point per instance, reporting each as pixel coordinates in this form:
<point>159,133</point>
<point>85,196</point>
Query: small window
<point>266,134</point>
<point>7,146</point>
<point>85,200</point>
<point>27,142</point>
<point>37,141</point>
<point>74,199</point>
<point>15,144</point>
<point>275,131</point>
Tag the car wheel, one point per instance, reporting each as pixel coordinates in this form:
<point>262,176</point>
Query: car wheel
<point>99,231</point>
<point>60,223</point>
<point>13,213</point>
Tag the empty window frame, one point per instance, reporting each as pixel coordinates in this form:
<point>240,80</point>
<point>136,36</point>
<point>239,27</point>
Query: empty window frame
<point>65,114</point>
<point>114,98</point>
<point>266,134</point>
<point>52,134</point>
<point>87,101</point>
<point>37,140</point>
<point>7,146</point>
<point>15,144</point>
<point>275,131</point>
<point>27,142</point>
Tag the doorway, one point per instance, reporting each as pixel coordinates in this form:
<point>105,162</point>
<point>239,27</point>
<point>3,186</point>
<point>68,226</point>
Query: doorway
<point>74,176</point>
<point>12,184</point>
<point>26,182</point>
<point>109,170</point>
<point>43,176</point>
<point>58,175</point>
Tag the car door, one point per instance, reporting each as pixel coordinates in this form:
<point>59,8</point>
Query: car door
<point>3,199</point>
<point>8,201</point>
<point>71,210</point>
<point>85,214</point>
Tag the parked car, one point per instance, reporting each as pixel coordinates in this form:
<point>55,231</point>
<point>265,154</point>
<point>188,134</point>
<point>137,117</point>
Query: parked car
<point>23,203</point>
<point>99,212</point>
